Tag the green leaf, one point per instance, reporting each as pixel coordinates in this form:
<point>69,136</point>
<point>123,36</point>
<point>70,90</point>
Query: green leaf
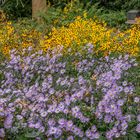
<point>22,137</point>
<point>102,138</point>
<point>33,134</point>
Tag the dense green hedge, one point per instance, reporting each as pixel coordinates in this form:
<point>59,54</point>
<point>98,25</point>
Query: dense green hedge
<point>22,8</point>
<point>17,8</point>
<point>120,4</point>
<point>109,4</point>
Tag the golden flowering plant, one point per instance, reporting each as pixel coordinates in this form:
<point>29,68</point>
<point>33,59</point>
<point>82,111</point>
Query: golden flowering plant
<point>78,33</point>
<point>18,38</point>
<point>84,31</point>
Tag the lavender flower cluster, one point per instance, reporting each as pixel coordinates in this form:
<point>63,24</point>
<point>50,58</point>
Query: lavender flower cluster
<point>79,96</point>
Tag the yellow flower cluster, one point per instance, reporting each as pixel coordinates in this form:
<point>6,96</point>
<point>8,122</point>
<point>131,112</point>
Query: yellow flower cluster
<point>84,31</point>
<point>78,33</point>
<point>12,37</point>
<point>128,41</point>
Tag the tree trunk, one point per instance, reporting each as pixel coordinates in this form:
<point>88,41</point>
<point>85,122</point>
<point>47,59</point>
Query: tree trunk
<point>38,6</point>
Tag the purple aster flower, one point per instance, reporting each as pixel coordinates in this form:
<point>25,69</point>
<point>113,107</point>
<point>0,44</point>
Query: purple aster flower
<point>123,133</point>
<point>107,58</point>
<point>126,89</point>
<point>109,135</point>
<point>98,114</point>
<point>126,57</point>
<point>38,125</point>
<point>59,132</point>
<point>51,122</point>
<point>120,102</point>
<point>41,98</point>
<point>96,135</point>
<point>136,99</point>
<point>124,125</point>
<point>63,82</point>
<point>69,124</point>
<point>72,80</point>
<point>42,129</point>
<point>104,90</point>
<point>114,129</point>
<point>128,118</point>
<point>81,134</point>
<point>43,114</point>
<point>81,80</point>
<point>51,91</point>
<point>19,117</point>
<point>62,122</point>
<point>31,125</point>
<point>2,133</point>
<point>70,138</point>
<point>75,110</point>
<point>117,135</point>
<point>73,98</point>
<point>37,138</point>
<point>8,121</point>
<point>120,88</point>
<point>76,131</point>
<point>107,84</point>
<point>93,128</point>
<point>29,94</point>
<point>80,94</point>
<point>61,106</point>
<point>79,115</point>
<point>107,118</point>
<point>67,100</point>
<point>58,110</point>
<point>49,138</point>
<point>51,109</point>
<point>65,111</point>
<point>52,130</point>
<point>88,133</point>
<point>110,94</point>
<point>50,78</point>
<point>124,83</point>
<point>138,118</point>
<point>62,71</point>
<point>107,110</point>
<point>72,128</point>
<point>138,128</point>
<point>84,119</point>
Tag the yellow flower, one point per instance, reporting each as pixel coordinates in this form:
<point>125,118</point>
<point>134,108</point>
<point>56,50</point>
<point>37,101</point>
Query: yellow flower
<point>85,14</point>
<point>76,34</point>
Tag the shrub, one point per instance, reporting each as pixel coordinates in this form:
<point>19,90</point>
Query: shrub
<point>58,17</point>
<point>115,19</point>
<point>17,8</point>
<point>118,4</point>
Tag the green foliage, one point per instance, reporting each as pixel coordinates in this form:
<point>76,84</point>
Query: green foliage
<point>17,8</point>
<point>58,17</point>
<point>22,8</point>
<point>131,4</point>
<point>114,19</point>
<point>117,4</point>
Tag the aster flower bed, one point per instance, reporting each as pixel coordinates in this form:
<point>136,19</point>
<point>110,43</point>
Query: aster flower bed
<point>58,96</point>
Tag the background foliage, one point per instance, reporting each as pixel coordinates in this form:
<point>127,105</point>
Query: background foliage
<point>22,8</point>
<point>17,8</point>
